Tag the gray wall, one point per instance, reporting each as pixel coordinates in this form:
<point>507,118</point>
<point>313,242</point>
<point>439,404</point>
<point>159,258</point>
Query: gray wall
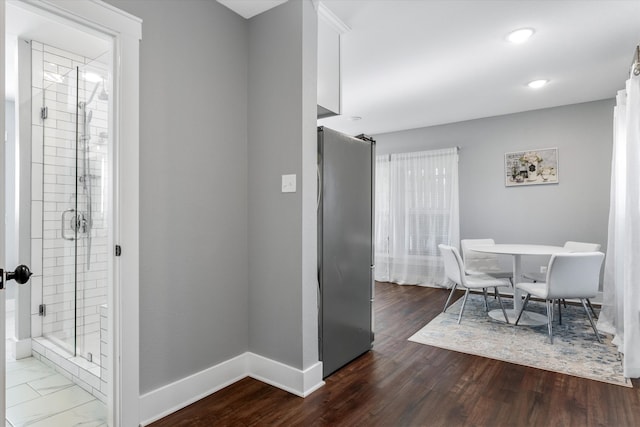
<point>227,107</point>
<point>193,187</point>
<point>282,140</point>
<point>574,209</point>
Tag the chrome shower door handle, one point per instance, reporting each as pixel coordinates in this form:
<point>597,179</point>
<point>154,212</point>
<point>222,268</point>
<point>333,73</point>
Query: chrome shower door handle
<point>65,219</point>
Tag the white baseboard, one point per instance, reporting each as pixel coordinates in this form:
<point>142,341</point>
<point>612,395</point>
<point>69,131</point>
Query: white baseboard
<point>295,381</point>
<point>172,397</point>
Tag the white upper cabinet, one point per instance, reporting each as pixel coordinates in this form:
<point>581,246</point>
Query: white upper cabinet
<point>329,94</point>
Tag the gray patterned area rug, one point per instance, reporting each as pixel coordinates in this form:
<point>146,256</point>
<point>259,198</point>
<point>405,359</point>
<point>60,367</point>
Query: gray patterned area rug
<point>575,349</point>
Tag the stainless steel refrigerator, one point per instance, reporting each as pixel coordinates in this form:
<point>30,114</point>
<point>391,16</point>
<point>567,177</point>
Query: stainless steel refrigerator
<point>345,246</point>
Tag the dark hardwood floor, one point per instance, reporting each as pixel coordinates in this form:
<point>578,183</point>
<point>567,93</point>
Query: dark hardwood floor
<point>401,383</point>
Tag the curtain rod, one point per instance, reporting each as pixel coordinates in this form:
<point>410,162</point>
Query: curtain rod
<point>635,64</point>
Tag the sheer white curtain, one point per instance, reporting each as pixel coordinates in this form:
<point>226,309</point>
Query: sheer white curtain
<point>621,293</point>
<point>416,210</point>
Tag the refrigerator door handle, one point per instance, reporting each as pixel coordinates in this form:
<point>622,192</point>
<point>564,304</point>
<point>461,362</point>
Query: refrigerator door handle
<point>319,189</point>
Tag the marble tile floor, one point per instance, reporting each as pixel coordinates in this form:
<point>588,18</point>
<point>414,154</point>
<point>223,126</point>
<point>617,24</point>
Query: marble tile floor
<point>38,396</point>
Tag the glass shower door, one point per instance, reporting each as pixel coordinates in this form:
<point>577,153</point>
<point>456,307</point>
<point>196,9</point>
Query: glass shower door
<point>92,156</point>
<point>59,120</point>
<point>74,203</point>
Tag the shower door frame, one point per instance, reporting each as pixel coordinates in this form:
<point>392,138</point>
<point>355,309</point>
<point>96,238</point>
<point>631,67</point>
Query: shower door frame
<point>124,33</point>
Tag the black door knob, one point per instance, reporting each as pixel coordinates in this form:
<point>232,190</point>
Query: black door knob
<point>20,275</point>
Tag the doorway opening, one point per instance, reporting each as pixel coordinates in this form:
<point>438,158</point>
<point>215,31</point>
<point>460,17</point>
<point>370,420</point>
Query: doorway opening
<point>59,206</point>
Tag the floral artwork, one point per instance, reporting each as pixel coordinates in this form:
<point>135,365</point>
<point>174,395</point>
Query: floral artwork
<point>531,167</point>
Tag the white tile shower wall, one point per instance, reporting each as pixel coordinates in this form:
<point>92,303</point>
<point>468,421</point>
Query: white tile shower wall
<point>72,297</point>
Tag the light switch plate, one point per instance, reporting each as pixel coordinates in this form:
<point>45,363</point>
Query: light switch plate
<point>289,183</point>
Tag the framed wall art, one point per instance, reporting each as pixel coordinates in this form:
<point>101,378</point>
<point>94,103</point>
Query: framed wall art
<point>531,167</point>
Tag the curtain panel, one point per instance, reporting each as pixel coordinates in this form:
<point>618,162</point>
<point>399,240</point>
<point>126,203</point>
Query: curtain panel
<point>620,313</point>
<point>416,209</point>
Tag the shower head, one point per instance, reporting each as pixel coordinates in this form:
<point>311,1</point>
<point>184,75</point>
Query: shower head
<point>89,116</point>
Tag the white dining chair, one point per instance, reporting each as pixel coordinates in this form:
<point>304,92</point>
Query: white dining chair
<point>569,275</point>
<point>455,272</point>
<point>573,247</point>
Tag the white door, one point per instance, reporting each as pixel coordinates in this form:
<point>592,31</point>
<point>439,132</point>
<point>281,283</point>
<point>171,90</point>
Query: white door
<point>2,211</point>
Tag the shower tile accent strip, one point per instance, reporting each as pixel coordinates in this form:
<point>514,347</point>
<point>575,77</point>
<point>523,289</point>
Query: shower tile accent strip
<point>73,299</point>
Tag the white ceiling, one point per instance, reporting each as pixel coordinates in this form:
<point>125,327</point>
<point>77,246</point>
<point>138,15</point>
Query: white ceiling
<point>409,64</point>
<point>250,8</point>
<point>415,63</point>
<point>23,21</point>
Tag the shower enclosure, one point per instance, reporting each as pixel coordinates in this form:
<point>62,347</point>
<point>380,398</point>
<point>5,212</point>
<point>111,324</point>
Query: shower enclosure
<point>71,123</point>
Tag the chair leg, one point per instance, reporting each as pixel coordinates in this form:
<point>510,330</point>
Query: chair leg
<point>486,304</point>
<point>464,302</point>
<point>591,320</point>
<point>524,304</point>
<point>446,304</point>
<point>506,319</point>
<point>559,313</point>
<point>550,319</point>
<point>595,316</point>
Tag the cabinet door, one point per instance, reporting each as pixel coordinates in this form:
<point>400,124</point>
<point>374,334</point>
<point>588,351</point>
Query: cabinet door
<point>328,70</point>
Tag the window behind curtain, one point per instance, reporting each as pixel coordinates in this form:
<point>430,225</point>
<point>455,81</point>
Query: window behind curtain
<point>416,210</point>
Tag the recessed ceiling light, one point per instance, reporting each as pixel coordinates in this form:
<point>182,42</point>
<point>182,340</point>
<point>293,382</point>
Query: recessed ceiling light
<point>355,118</point>
<point>521,35</point>
<point>537,84</point>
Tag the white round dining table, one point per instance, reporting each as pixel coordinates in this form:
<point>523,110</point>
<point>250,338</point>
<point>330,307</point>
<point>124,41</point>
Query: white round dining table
<point>517,251</point>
